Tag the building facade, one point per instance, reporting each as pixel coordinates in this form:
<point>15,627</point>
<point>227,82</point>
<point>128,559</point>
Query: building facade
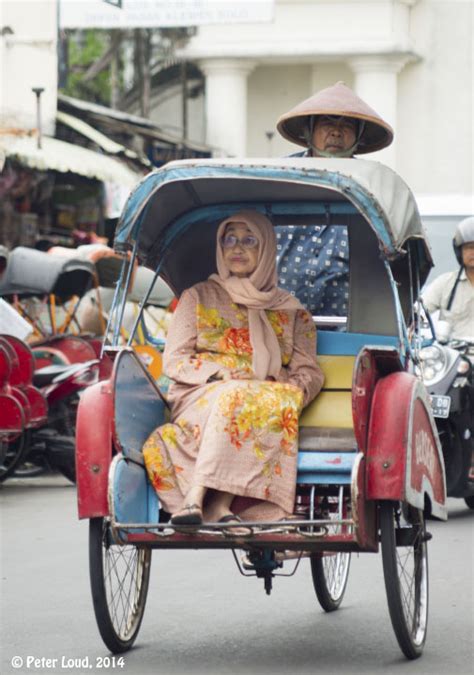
<point>411,60</point>
<point>28,59</point>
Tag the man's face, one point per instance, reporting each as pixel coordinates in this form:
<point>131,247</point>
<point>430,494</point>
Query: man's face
<point>334,134</point>
<point>468,255</point>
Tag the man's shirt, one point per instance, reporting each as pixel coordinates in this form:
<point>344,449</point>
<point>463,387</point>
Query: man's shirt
<point>313,265</point>
<point>461,314</point>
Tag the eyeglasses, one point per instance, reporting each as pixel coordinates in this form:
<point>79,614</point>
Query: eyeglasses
<point>230,240</point>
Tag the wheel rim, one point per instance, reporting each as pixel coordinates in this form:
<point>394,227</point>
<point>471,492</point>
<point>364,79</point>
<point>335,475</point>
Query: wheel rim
<point>336,570</point>
<point>124,576</point>
<point>11,454</point>
<point>412,573</point>
<point>336,566</point>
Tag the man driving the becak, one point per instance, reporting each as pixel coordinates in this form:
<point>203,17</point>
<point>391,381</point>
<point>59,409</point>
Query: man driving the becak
<point>453,293</point>
<point>334,123</point>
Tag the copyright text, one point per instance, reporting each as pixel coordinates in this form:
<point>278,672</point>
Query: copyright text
<point>67,662</point>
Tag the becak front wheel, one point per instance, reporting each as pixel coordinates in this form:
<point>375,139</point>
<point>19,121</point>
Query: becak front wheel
<point>405,568</point>
<point>119,576</point>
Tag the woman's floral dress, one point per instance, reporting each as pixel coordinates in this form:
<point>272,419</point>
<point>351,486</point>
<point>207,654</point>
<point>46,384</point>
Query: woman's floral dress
<point>238,436</point>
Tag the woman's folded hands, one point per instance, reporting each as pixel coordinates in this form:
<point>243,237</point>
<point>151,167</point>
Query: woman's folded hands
<point>232,374</point>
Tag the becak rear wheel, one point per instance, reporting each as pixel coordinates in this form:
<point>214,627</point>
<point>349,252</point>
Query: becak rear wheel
<point>330,573</point>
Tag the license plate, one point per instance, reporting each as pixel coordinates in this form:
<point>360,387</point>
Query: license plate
<point>440,405</point>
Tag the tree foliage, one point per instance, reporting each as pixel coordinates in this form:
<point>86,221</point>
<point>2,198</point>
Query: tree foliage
<point>86,47</point>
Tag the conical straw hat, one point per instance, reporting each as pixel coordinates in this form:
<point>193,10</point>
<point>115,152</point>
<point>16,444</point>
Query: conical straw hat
<point>337,100</point>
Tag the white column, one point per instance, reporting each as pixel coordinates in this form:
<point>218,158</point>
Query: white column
<point>226,103</point>
<point>375,81</point>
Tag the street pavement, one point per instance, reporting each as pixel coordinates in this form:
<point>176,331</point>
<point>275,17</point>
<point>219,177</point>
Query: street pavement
<point>202,616</point>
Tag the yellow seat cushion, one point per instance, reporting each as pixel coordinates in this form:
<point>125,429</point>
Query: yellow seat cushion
<point>337,371</point>
<point>332,408</point>
<point>329,409</point>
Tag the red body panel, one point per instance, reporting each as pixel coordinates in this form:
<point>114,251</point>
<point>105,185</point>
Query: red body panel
<point>5,367</point>
<point>12,419</point>
<point>35,407</point>
<point>371,364</point>
<point>23,374</point>
<point>22,400</point>
<point>363,384</point>
<point>404,460</point>
<point>38,405</point>
<point>94,450</point>
<point>48,356</point>
<point>75,349</point>
<point>364,512</point>
<point>11,356</point>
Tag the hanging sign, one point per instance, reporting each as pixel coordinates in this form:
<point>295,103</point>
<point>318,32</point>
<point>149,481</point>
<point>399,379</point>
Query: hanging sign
<point>162,13</point>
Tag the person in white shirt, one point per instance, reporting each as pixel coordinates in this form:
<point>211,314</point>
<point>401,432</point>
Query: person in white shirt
<point>453,293</point>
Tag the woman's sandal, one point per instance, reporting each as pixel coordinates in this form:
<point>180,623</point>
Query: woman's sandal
<point>190,514</point>
<point>234,530</point>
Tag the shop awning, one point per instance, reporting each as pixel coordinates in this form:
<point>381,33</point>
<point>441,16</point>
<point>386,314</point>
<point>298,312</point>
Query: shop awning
<point>122,122</point>
<point>65,157</point>
<point>108,145</point>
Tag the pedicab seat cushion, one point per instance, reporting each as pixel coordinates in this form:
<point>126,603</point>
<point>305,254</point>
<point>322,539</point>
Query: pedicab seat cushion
<point>327,444</point>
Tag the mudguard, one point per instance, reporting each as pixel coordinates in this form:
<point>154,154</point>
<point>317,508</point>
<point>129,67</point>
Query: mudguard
<point>404,458</point>
<point>371,364</point>
<point>22,372</point>
<point>12,418</point>
<point>94,449</point>
<point>73,348</point>
<point>38,405</point>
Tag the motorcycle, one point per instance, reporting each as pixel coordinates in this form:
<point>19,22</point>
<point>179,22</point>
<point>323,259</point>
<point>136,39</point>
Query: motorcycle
<point>49,398</point>
<point>447,369</point>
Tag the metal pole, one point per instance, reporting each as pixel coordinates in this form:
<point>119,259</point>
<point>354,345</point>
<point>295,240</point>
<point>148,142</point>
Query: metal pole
<point>38,91</point>
<point>184,94</point>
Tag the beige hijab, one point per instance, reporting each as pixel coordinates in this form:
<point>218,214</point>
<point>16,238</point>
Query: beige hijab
<point>258,292</point>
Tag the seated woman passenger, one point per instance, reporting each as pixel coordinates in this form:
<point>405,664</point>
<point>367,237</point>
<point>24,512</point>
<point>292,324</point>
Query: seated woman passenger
<point>242,356</point>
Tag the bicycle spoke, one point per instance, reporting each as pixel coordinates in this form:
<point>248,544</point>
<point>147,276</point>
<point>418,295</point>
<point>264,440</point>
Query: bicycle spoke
<point>121,575</point>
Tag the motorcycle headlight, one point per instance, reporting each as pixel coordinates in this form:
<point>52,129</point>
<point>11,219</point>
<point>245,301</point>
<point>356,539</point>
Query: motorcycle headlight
<point>433,363</point>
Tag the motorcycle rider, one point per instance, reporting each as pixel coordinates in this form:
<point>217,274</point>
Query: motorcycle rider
<point>333,123</point>
<point>453,293</point>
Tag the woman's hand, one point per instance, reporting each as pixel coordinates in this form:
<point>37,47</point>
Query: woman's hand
<point>227,374</point>
<point>240,374</point>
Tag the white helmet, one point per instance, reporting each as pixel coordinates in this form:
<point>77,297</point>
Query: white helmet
<point>463,235</point>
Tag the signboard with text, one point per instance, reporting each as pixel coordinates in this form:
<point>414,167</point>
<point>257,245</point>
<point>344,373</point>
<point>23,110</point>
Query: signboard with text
<point>162,13</point>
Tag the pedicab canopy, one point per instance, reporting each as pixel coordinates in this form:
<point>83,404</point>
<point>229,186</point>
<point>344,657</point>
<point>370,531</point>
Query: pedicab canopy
<point>34,273</point>
<point>172,216</point>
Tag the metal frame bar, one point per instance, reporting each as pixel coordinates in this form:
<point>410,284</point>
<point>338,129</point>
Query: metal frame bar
<point>120,298</point>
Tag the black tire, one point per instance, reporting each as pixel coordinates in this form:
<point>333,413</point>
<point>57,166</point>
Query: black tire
<point>119,578</point>
<point>13,453</point>
<point>469,501</point>
<point>405,568</point>
<point>63,420</point>
<point>330,573</point>
<point>31,469</point>
<point>68,470</point>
